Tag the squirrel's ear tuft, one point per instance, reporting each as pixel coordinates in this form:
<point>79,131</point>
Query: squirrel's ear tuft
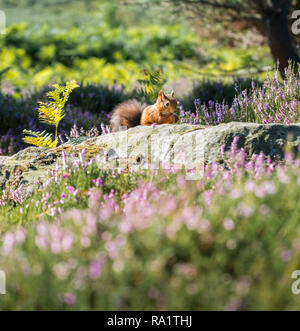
<point>172,93</point>
<point>161,94</point>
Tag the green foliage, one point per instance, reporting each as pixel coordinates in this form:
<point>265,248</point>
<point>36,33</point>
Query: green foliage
<point>151,83</point>
<point>2,73</point>
<point>101,54</point>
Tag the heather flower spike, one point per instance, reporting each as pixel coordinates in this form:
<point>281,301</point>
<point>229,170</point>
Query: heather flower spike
<point>51,113</point>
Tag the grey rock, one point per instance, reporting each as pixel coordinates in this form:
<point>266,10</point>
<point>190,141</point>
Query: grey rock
<point>139,146</point>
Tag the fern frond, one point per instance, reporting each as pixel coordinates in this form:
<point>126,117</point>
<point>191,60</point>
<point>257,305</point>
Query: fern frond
<point>40,142</point>
<point>60,95</point>
<point>39,139</point>
<point>37,133</point>
<point>50,114</point>
<point>151,83</point>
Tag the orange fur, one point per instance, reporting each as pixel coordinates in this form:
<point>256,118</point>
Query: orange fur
<point>130,113</point>
<point>127,114</point>
<point>162,112</point>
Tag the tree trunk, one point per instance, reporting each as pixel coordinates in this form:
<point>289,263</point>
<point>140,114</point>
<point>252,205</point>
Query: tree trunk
<point>279,39</point>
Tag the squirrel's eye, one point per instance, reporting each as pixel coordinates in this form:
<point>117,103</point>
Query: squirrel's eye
<point>167,104</point>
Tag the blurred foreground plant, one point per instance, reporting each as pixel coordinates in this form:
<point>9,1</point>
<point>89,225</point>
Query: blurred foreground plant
<point>229,241</point>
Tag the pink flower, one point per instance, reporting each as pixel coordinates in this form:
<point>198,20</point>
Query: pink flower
<point>20,235</point>
<point>72,190</point>
<point>285,255</point>
<point>181,180</point>
<point>223,151</point>
<point>95,269</point>
<point>264,209</point>
<point>98,181</point>
<point>228,224</point>
<point>67,242</point>
<point>55,247</point>
<point>85,242</point>
<point>282,176</point>
<point>8,242</point>
<point>41,242</point>
<point>69,299</point>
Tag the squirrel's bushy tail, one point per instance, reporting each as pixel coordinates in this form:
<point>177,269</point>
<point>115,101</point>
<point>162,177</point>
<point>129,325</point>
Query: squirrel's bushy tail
<point>127,114</point>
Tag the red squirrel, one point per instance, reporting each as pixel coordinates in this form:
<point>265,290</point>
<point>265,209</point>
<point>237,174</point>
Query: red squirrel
<point>132,113</point>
